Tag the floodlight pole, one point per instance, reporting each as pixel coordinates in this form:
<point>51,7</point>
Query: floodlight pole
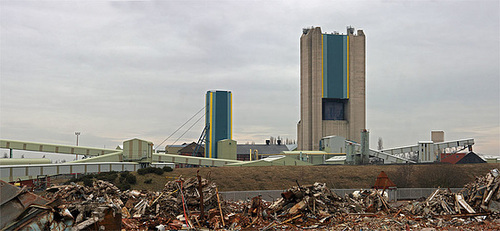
<point>77,134</point>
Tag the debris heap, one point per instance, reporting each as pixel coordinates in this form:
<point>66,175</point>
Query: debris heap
<point>195,204</point>
<point>92,207</point>
<point>314,200</point>
<point>170,201</point>
<point>440,202</point>
<point>478,197</point>
<point>483,194</point>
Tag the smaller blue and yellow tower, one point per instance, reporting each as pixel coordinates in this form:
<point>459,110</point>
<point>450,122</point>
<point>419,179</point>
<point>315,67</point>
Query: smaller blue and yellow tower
<point>218,119</point>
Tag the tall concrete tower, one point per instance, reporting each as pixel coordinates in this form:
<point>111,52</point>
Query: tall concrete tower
<point>218,119</point>
<point>332,86</point>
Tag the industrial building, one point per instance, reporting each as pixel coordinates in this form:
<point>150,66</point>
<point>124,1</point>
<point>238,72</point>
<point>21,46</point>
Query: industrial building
<point>253,151</point>
<point>423,152</point>
<point>218,120</point>
<point>331,129</point>
<point>136,154</point>
<point>332,86</point>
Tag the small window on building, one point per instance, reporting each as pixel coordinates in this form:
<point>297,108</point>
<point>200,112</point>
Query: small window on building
<point>334,109</point>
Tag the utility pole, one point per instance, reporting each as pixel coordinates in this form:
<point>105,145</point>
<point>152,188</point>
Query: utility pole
<point>77,134</point>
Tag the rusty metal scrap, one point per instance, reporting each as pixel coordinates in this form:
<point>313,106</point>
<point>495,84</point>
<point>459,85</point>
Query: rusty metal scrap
<point>23,210</point>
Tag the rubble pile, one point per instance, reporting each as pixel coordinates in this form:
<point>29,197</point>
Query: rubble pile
<point>170,200</point>
<point>440,202</point>
<point>316,206</point>
<point>178,204</point>
<point>367,201</point>
<point>314,200</point>
<point>480,196</point>
<point>90,205</point>
<point>483,194</point>
<point>75,192</point>
<point>194,203</point>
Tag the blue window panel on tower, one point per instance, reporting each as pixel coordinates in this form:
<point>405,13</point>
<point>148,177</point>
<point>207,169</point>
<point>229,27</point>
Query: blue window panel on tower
<point>335,66</point>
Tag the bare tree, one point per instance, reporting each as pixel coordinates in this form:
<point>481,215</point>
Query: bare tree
<point>380,144</point>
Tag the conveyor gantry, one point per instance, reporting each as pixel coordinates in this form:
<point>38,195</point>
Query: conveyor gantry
<point>428,151</point>
<point>388,158</point>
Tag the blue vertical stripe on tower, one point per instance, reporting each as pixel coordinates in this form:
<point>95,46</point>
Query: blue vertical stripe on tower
<point>335,66</point>
<point>344,67</point>
<point>229,116</point>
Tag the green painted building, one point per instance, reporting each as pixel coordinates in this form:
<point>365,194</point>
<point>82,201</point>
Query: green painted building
<point>226,149</point>
<point>137,150</point>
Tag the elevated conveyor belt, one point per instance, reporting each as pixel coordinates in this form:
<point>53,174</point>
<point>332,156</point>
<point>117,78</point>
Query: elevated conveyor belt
<point>441,146</point>
<point>202,161</point>
<point>54,148</point>
<point>388,158</point>
<point>428,151</point>
<point>25,172</point>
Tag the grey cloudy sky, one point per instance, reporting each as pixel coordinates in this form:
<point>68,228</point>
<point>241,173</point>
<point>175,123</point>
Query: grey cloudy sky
<point>119,70</point>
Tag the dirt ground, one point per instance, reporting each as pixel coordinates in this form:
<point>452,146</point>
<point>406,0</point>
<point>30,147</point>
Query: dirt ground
<point>336,176</point>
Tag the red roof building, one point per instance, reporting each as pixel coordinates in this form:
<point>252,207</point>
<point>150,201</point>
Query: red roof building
<point>461,158</point>
<point>452,158</point>
<point>383,182</point>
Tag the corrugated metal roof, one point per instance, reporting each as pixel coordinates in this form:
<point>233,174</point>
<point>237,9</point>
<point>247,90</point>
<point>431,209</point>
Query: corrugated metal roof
<point>336,158</point>
<point>488,157</point>
<point>273,161</point>
<point>261,148</point>
<point>291,147</point>
<point>19,161</point>
<point>53,148</point>
<point>272,158</point>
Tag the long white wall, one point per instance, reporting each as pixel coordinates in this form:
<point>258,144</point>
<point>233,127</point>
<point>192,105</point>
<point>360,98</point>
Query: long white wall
<point>25,172</point>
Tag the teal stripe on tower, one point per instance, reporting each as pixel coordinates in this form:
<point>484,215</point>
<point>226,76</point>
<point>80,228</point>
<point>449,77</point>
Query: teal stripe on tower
<point>335,58</point>
<point>229,115</point>
<point>218,118</point>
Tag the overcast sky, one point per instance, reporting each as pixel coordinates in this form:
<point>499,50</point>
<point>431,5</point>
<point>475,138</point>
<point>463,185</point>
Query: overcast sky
<point>120,70</point>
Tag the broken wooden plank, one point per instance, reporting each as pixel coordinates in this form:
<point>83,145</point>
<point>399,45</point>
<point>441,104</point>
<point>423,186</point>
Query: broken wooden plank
<point>464,204</point>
